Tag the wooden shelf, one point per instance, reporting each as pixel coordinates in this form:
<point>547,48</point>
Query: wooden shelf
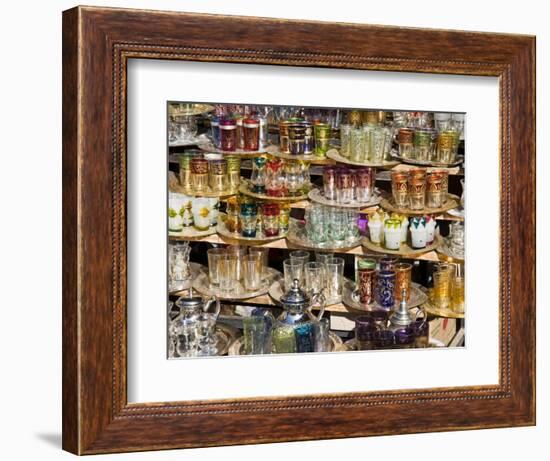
<point>266,300</point>
<point>441,217</point>
<point>283,244</point>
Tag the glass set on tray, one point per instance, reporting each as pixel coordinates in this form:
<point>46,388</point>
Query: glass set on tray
<point>275,177</point>
<point>383,289</point>
<point>237,269</point>
<point>438,144</point>
<point>416,189</point>
<point>392,231</point>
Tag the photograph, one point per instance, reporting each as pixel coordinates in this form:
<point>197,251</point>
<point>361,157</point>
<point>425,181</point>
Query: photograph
<point>264,231</point>
<point>313,229</point>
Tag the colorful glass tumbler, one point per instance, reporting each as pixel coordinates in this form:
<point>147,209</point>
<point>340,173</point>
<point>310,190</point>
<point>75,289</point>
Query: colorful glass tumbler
<point>385,289</point>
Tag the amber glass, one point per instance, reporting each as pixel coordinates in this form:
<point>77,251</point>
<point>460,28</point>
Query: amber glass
<point>442,286</point>
<point>457,295</point>
<point>402,281</point>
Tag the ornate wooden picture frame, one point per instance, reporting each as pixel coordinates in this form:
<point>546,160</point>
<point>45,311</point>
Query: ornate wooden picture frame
<point>97,44</point>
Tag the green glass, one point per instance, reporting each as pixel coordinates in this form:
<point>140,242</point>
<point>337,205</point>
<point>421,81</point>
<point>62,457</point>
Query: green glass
<point>322,138</point>
<point>233,163</point>
<point>284,339</point>
<point>254,333</point>
<point>357,142</point>
<point>366,263</point>
<point>345,141</point>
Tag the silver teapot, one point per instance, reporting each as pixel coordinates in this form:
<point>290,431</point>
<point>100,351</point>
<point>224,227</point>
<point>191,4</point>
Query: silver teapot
<point>191,307</point>
<point>297,305</point>
<point>401,317</point>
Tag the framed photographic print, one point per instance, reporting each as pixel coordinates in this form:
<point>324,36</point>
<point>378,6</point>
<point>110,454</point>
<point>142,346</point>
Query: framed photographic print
<point>289,230</point>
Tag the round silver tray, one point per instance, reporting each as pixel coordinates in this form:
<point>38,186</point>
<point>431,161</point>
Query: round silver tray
<point>202,285</point>
<point>452,202</point>
<point>190,233</point>
<point>259,239</point>
<point>310,158</point>
<point>277,289</point>
<point>178,109</point>
<point>351,298</point>
<point>334,154</point>
<point>457,212</point>
<point>336,344</point>
<point>197,141</point>
<point>405,249</point>
<point>445,250</point>
<point>226,335</point>
<point>351,345</point>
<point>207,193</point>
<point>317,195</point>
<point>209,147</point>
<point>244,188</point>
<point>296,237</point>
<point>431,309</point>
<point>411,161</point>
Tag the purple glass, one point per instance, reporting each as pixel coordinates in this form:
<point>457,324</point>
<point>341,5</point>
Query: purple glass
<point>383,339</point>
<point>421,330</point>
<point>362,223</point>
<point>385,287</point>
<point>215,133</point>
<point>404,337</point>
<point>379,317</point>
<point>387,263</point>
<point>364,332</point>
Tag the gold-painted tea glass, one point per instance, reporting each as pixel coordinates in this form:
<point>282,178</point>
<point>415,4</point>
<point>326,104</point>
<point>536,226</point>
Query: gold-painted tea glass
<point>403,272</point>
<point>442,278</point>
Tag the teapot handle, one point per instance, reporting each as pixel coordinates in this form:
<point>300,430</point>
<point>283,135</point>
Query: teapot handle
<point>322,300</point>
<point>209,303</point>
<point>422,310</point>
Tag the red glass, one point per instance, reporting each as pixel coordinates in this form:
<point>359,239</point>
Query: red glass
<point>366,285</point>
<point>270,213</point>
<point>275,179</point>
<point>228,135</point>
<point>251,133</point>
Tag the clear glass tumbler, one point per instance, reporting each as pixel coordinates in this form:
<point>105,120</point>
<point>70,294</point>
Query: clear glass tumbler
<point>334,277</point>
<point>301,256</point>
<point>206,332</point>
<point>264,256</point>
<point>252,272</point>
<point>239,252</point>
<point>338,225</point>
<point>315,277</point>
<point>214,255</point>
<point>227,271</point>
<point>293,270</point>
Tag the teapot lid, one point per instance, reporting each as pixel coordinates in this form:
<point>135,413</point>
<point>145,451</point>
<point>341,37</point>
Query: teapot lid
<point>295,295</point>
<point>190,302</point>
<point>402,316</point>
